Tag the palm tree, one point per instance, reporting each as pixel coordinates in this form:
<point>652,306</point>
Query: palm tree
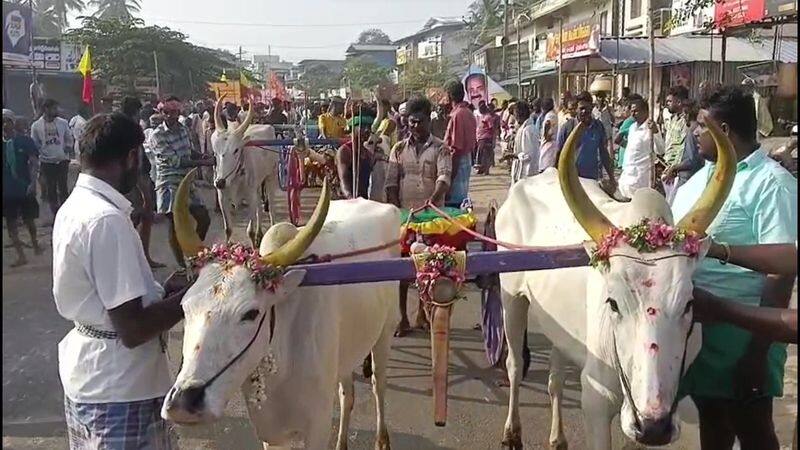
<point>57,10</point>
<point>486,14</point>
<point>116,9</point>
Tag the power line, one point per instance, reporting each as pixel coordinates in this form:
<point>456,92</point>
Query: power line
<point>283,25</point>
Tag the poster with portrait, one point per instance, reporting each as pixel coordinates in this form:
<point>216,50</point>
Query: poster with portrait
<point>17,33</point>
<point>479,87</point>
<point>680,75</point>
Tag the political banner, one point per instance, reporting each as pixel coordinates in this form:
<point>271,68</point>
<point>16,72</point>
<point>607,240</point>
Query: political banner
<point>17,33</point>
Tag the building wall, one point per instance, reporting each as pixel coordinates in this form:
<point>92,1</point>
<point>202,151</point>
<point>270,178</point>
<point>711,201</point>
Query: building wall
<point>386,59</point>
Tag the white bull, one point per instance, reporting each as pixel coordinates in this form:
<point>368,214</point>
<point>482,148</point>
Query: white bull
<point>627,326</point>
<point>242,170</point>
<point>289,375</point>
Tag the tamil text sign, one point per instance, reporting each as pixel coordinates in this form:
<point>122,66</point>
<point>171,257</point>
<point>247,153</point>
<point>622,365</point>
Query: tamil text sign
<point>777,8</point>
<point>579,39</point>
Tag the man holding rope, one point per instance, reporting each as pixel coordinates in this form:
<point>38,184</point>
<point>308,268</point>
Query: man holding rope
<point>419,171</point>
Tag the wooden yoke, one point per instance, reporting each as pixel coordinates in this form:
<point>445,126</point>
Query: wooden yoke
<point>438,294</point>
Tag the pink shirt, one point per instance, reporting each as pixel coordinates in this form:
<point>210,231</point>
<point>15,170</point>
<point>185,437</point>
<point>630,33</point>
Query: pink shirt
<point>460,134</point>
<point>487,124</point>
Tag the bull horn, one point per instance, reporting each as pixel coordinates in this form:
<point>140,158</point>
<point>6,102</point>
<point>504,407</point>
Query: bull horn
<point>219,124</point>
<point>291,251</point>
<point>185,225</point>
<point>239,131</point>
<point>713,197</point>
<point>591,219</point>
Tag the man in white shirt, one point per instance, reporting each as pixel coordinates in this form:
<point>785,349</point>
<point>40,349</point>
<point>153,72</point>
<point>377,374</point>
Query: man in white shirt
<point>76,124</point>
<point>112,365</point>
<point>526,143</point>
<point>54,139</point>
<point>637,163</point>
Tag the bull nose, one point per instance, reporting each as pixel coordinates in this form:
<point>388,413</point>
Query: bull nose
<point>655,431</point>
<point>189,399</point>
<point>220,184</point>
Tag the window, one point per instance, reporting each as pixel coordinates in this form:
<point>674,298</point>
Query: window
<point>636,8</point>
<point>603,23</point>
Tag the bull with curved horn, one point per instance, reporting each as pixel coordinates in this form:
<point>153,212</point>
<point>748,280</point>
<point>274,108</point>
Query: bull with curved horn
<point>242,169</point>
<point>288,365</point>
<point>627,321</point>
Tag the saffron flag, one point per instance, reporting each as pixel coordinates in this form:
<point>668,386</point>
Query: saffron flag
<point>85,68</point>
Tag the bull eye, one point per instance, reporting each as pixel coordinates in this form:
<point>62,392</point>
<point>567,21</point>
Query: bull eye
<point>235,151</point>
<point>689,306</point>
<point>613,305</point>
<point>250,316</point>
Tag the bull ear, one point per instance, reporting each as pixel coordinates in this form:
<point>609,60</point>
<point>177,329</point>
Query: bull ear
<point>289,283</point>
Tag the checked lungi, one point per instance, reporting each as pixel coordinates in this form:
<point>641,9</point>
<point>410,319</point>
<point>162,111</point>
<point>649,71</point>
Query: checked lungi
<point>118,426</point>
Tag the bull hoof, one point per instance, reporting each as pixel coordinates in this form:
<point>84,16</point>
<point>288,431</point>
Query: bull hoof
<point>555,445</point>
<point>512,439</point>
<point>382,443</point>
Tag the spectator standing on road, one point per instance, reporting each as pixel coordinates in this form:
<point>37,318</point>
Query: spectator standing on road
<point>419,170</point>
<point>548,125</point>
<point>592,148</point>
<point>637,167</point>
<point>735,377</point>
<point>142,197</point>
<point>20,170</point>
<point>52,136</point>
<point>460,137</point>
<point>675,131</point>
<point>691,161</point>
<point>488,129</point>
<point>174,158</point>
<point>76,124</point>
<point>526,143</point>
<point>332,123</point>
<point>112,364</point>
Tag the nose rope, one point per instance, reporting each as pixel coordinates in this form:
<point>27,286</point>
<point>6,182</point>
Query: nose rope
<point>244,350</point>
<point>626,385</point>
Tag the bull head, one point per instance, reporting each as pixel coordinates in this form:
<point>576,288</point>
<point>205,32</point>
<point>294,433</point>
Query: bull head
<point>228,145</point>
<point>226,336</point>
<point>644,297</point>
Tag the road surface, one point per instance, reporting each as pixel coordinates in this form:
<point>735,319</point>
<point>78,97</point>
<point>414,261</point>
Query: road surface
<point>32,397</point>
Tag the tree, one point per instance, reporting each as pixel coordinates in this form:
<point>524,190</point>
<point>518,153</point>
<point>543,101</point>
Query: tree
<point>362,73</point>
<point>116,9</point>
<point>485,15</point>
<point>318,79</point>
<point>122,53</point>
<point>421,74</point>
<point>54,12</point>
<point>373,36</point>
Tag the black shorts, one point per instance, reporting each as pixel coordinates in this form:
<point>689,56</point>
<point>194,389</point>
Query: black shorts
<point>21,208</point>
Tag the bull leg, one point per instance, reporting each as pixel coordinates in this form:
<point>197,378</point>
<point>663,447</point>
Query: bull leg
<point>318,431</point>
<point>254,226</point>
<point>346,399</point>
<point>227,214</point>
<point>515,319</point>
<point>380,359</point>
<point>555,387</point>
<point>598,411</point>
<point>270,194</point>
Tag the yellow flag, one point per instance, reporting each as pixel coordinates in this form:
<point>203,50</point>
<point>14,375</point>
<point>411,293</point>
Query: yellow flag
<point>245,82</point>
<point>85,65</point>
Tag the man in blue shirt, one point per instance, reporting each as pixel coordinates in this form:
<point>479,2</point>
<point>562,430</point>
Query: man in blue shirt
<point>20,171</point>
<point>593,147</point>
<point>736,375</point>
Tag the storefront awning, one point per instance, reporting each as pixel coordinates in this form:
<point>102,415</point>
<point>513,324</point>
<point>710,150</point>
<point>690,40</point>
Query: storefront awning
<point>635,52</point>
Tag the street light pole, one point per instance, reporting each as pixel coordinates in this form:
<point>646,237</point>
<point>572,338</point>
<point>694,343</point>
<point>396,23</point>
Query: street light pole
<point>519,54</point>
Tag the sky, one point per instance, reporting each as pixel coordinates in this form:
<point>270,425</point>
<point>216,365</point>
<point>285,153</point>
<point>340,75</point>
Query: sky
<point>293,29</point>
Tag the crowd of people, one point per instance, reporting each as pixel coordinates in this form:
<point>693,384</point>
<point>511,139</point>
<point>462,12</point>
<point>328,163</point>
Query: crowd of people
<point>134,156</point>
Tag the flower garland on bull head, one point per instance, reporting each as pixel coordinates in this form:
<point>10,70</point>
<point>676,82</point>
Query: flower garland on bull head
<point>266,270</point>
<point>647,236</point>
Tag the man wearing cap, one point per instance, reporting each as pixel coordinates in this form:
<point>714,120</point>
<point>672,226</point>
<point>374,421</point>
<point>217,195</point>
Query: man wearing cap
<point>20,170</point>
<point>332,123</point>
<point>361,129</point>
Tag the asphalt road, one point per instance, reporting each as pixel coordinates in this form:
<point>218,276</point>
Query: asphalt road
<point>32,396</point>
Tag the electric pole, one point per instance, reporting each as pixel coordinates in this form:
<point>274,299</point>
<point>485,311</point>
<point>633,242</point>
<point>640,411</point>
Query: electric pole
<point>505,35</point>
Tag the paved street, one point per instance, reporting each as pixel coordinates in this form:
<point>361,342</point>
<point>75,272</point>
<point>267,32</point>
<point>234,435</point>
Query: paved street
<point>32,397</point>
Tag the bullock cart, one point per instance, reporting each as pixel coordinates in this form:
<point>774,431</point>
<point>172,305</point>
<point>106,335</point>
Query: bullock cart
<point>481,267</point>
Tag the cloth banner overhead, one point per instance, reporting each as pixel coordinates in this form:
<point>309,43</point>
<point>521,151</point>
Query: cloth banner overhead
<point>17,33</point>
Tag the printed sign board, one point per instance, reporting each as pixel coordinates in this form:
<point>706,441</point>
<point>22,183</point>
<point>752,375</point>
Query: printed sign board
<point>17,32</point>
<point>580,39</point>
<point>734,13</point>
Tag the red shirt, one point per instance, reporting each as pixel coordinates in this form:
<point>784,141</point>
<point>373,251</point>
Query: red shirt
<point>461,129</point>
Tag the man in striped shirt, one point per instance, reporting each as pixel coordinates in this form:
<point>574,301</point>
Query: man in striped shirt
<point>172,150</point>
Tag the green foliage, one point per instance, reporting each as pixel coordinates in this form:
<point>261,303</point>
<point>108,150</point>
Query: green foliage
<point>374,36</point>
<point>421,74</point>
<point>55,11</point>
<point>122,52</point>
<point>116,9</point>
<point>362,73</point>
<point>484,16</point>
<point>318,79</point>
